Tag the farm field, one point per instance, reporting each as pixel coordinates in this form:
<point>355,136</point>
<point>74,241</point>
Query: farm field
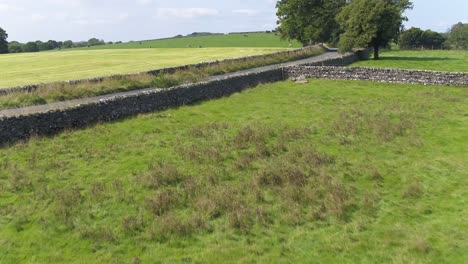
<point>248,40</point>
<point>325,172</point>
<point>435,60</point>
<point>33,68</point>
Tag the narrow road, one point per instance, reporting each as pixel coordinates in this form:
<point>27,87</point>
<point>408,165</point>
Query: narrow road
<point>71,103</point>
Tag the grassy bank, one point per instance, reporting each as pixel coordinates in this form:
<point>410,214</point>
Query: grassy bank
<point>248,40</point>
<point>436,60</point>
<point>54,92</point>
<point>33,68</point>
<point>330,171</point>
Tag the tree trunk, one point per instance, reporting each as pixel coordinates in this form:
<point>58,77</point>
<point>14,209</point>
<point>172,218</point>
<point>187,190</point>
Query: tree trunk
<point>376,52</point>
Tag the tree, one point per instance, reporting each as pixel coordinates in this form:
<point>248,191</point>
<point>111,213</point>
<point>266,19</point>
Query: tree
<point>309,21</point>
<point>3,41</point>
<point>458,36</point>
<point>42,46</point>
<point>68,44</point>
<point>371,23</point>
<point>53,44</point>
<point>30,47</point>
<point>95,42</point>
<point>432,40</point>
<point>415,38</point>
<point>15,47</point>
<point>411,38</point>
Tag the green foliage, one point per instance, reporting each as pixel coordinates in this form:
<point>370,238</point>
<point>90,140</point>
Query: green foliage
<point>30,47</point>
<point>371,23</point>
<point>309,21</point>
<point>335,172</point>
<point>68,44</point>
<point>458,36</point>
<point>15,47</point>
<point>415,38</point>
<point>3,41</point>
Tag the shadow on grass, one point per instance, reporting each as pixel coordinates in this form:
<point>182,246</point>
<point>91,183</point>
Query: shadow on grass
<point>421,59</point>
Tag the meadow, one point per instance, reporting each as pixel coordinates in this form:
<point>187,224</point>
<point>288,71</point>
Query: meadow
<point>33,68</point>
<point>435,60</point>
<point>247,40</point>
<point>325,172</point>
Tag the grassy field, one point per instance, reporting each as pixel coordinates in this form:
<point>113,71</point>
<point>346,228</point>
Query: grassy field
<point>436,60</point>
<point>335,172</point>
<point>32,68</point>
<point>53,92</point>
<point>232,40</point>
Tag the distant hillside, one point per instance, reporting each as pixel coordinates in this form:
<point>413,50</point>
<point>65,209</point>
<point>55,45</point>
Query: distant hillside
<point>207,41</point>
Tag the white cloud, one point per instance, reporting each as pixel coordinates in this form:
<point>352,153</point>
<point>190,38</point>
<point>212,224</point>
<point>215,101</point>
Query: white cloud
<point>186,12</point>
<point>247,12</point>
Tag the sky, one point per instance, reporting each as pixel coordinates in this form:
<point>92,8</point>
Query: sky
<point>125,20</point>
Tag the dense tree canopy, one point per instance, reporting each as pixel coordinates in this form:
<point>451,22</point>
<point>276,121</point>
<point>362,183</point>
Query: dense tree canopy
<point>371,23</point>
<point>3,41</point>
<point>415,38</point>
<point>30,47</point>
<point>309,21</point>
<point>458,36</point>
<point>15,47</point>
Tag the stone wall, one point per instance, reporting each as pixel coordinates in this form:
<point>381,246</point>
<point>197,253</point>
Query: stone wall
<point>379,75</point>
<point>33,87</point>
<point>14,128</point>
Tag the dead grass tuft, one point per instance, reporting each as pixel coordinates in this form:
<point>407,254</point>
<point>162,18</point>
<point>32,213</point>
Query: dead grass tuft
<point>163,202</point>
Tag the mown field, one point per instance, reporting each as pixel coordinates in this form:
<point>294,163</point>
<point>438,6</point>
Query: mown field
<point>32,68</point>
<point>248,40</point>
<point>325,172</point>
<point>436,60</point>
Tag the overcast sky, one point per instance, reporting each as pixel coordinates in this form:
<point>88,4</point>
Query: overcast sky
<point>113,20</point>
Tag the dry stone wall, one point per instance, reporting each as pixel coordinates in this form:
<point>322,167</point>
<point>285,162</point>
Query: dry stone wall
<point>14,128</point>
<point>34,87</point>
<point>379,75</point>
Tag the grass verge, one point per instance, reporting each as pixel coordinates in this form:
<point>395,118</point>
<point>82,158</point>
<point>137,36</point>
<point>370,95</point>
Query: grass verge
<point>330,171</point>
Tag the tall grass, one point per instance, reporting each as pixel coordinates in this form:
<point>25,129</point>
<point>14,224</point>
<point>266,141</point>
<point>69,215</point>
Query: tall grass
<point>329,172</point>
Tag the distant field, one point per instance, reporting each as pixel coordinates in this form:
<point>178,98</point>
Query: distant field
<point>231,40</point>
<point>325,172</point>
<point>436,60</point>
<point>31,68</point>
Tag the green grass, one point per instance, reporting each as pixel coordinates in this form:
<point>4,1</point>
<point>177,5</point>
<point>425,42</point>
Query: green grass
<point>33,68</point>
<point>435,60</point>
<point>325,172</point>
<point>260,40</point>
<point>53,92</point>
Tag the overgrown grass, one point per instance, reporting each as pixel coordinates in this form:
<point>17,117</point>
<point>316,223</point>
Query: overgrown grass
<point>436,60</point>
<point>330,171</point>
<point>53,92</point>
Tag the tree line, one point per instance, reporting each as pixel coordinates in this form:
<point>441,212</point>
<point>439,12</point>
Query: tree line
<point>351,24</point>
<point>36,46</point>
<point>416,38</point>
